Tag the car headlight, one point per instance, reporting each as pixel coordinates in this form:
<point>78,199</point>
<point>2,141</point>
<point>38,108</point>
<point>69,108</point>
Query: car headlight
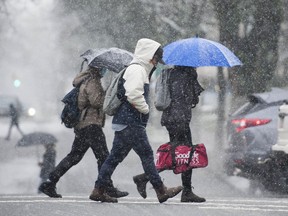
<point>31,111</point>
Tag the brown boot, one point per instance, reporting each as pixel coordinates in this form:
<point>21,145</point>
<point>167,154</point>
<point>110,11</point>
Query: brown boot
<point>189,196</point>
<point>99,194</point>
<point>164,193</point>
<point>141,181</point>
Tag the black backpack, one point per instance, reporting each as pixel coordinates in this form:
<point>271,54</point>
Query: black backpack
<point>71,114</point>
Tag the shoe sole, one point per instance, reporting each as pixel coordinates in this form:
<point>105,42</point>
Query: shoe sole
<point>50,195</point>
<point>58,196</point>
<point>193,201</point>
<point>98,199</point>
<point>117,196</point>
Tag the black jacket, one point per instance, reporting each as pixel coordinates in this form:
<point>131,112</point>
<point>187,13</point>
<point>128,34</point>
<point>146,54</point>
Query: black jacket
<point>184,92</point>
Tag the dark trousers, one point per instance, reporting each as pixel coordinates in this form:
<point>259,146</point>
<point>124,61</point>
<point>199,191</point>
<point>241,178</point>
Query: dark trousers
<point>181,134</point>
<point>132,137</point>
<point>92,137</point>
<point>13,123</point>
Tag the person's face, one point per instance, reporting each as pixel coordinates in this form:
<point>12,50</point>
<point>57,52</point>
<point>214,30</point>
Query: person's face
<point>154,61</point>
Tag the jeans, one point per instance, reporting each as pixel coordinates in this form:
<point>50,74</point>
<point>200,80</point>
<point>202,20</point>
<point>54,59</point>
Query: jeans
<point>132,137</point>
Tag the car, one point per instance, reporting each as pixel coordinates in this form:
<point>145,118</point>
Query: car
<point>252,130</point>
<point>6,100</point>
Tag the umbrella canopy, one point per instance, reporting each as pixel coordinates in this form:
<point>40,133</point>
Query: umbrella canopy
<point>199,52</point>
<point>113,59</point>
<point>36,138</point>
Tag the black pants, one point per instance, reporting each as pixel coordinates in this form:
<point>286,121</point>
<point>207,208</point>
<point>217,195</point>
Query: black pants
<point>13,123</point>
<point>91,136</point>
<point>181,134</point>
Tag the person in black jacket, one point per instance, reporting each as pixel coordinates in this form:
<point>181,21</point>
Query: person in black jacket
<point>48,162</point>
<point>184,92</point>
<point>14,121</point>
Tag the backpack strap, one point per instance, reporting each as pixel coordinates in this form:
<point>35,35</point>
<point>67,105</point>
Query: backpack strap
<point>121,95</point>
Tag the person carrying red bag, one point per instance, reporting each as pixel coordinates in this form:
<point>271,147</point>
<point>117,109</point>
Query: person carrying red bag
<point>184,92</point>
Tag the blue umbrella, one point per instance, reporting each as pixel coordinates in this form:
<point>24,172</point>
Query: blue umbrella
<point>199,52</point>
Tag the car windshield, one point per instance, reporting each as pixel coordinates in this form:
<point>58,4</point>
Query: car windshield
<point>251,106</point>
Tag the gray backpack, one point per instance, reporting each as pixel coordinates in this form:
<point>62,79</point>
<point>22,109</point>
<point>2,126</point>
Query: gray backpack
<point>111,101</point>
<point>162,92</point>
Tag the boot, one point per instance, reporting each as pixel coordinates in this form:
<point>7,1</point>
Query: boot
<point>189,196</point>
<point>141,181</point>
<point>99,194</point>
<point>49,188</point>
<point>164,193</point>
<point>114,192</point>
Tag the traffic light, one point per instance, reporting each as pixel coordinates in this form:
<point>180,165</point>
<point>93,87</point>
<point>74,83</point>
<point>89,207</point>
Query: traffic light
<point>17,83</point>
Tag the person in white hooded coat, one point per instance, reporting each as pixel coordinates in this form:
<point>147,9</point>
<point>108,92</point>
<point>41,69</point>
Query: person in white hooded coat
<point>130,121</point>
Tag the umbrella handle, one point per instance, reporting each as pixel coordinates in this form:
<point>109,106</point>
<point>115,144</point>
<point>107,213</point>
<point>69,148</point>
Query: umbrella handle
<point>38,154</point>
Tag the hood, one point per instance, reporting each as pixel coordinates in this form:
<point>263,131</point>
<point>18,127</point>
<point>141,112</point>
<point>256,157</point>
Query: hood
<point>144,52</point>
<point>84,75</point>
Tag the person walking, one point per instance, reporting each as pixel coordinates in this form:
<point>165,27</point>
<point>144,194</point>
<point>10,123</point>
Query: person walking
<point>130,122</point>
<point>88,132</point>
<point>48,162</point>
<point>14,114</point>
<point>184,92</point>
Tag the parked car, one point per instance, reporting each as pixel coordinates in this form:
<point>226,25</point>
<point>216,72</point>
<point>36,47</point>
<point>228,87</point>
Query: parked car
<point>252,130</point>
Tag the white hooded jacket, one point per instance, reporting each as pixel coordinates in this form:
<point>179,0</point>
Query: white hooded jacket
<point>137,74</point>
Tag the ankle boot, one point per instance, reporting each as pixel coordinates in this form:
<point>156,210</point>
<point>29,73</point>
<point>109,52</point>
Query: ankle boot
<point>99,194</point>
<point>116,193</point>
<point>164,193</point>
<point>49,188</point>
<point>141,181</point>
<point>189,196</point>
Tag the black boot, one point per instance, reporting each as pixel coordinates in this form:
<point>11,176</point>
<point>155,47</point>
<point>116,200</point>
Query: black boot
<point>114,192</point>
<point>49,188</point>
<point>189,196</point>
<point>141,181</point>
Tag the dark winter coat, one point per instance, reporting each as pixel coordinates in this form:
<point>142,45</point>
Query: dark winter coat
<point>184,92</point>
<point>14,114</point>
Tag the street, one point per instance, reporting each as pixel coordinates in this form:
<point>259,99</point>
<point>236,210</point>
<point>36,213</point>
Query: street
<point>20,179</point>
<point>80,205</point>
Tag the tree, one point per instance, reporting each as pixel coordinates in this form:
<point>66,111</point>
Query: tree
<point>253,35</point>
<point>258,35</point>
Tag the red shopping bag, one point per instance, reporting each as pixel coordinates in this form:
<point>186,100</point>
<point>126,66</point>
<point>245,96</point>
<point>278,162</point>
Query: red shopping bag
<point>181,158</point>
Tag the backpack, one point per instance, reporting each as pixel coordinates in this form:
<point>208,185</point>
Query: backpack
<point>111,101</point>
<point>71,114</point>
<point>162,92</point>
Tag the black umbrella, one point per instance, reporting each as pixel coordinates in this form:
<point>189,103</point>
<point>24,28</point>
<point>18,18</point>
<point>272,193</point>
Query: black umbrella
<point>36,138</point>
<point>113,59</point>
